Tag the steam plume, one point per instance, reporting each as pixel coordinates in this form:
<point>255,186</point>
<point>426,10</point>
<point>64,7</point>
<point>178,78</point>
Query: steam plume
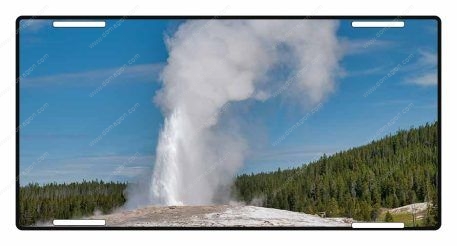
<point>212,64</point>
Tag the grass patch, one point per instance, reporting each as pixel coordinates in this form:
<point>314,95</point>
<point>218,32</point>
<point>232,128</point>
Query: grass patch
<point>406,218</point>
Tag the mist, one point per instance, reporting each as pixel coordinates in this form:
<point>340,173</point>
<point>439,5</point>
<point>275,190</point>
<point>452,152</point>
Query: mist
<point>213,63</point>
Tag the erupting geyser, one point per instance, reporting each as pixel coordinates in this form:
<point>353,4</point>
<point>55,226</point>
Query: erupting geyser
<point>212,63</point>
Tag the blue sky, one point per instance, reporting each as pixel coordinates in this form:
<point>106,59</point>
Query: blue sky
<point>62,68</point>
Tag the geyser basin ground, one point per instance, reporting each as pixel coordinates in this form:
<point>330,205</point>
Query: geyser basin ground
<point>217,216</point>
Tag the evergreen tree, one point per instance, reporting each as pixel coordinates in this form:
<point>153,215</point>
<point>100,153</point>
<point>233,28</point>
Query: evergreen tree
<point>389,217</point>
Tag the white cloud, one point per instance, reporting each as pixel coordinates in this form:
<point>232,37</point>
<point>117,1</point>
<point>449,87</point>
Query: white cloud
<point>427,79</point>
<point>425,70</point>
<point>33,25</point>
<point>109,167</point>
<point>133,73</point>
<point>368,71</point>
<point>359,46</point>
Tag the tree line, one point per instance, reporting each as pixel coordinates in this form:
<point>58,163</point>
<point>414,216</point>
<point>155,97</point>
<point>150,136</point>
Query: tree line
<point>42,203</point>
<point>394,171</point>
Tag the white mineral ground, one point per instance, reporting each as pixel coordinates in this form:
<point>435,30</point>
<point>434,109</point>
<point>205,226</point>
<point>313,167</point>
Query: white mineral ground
<point>217,216</point>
